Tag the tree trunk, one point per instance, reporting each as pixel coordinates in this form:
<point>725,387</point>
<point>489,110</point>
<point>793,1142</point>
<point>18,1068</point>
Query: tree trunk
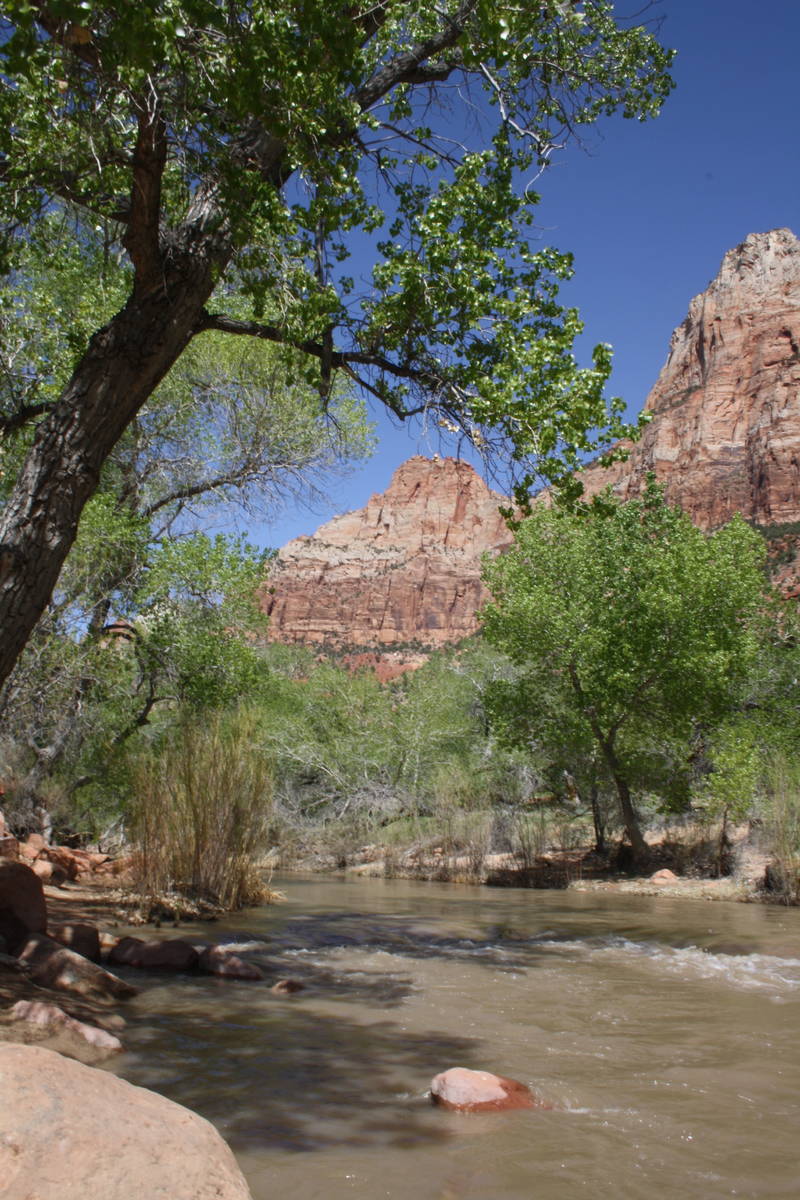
<point>123,364</point>
<point>629,817</point>
<point>599,824</point>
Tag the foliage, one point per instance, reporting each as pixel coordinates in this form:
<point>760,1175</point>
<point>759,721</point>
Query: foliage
<point>232,424</point>
<point>628,625</point>
<point>200,812</point>
<point>230,157</point>
<point>349,749</point>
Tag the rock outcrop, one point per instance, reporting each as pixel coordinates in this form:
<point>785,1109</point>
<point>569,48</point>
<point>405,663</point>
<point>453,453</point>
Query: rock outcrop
<point>724,435</point>
<point>401,574</point>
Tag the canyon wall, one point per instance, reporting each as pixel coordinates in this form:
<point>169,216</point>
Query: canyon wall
<point>402,576</point>
<point>724,434</point>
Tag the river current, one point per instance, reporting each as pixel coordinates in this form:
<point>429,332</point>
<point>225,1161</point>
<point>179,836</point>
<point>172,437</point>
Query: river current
<point>666,1033</point>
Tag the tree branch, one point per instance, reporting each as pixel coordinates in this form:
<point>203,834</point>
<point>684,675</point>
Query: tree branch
<point>149,160</point>
<point>409,67</point>
<point>19,419</point>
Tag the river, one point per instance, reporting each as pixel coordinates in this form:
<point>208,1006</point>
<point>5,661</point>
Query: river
<point>665,1032</point>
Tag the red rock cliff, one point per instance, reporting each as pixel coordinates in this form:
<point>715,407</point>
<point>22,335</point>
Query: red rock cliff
<point>404,569</point>
<point>725,429</point>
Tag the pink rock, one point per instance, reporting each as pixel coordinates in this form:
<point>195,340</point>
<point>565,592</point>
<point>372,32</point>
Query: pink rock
<point>463,1090</point>
<point>216,960</point>
<point>38,1012</point>
<point>55,966</point>
<point>22,902</point>
<point>724,422</point>
<point>75,1132</point>
<point>664,876</point>
<point>413,554</point>
<point>80,936</point>
<point>64,858</point>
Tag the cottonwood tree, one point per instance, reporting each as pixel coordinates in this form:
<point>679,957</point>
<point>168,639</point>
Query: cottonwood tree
<point>234,423</point>
<point>628,625</point>
<point>258,143</point>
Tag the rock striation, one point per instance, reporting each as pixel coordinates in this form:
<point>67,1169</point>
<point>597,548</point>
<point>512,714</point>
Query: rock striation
<point>400,576</point>
<point>724,435</point>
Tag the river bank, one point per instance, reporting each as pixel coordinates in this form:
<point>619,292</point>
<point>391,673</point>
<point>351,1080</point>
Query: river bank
<point>681,863</point>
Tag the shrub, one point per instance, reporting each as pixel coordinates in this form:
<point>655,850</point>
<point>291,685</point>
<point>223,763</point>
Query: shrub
<point>202,802</point>
<point>781,826</point>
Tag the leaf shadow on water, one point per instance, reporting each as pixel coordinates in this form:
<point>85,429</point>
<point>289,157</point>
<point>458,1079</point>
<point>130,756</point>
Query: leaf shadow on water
<point>271,1073</point>
<point>286,1072</point>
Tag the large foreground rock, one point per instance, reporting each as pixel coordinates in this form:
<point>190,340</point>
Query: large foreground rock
<point>74,1132</point>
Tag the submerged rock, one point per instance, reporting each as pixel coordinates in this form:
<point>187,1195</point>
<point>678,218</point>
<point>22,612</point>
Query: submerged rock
<point>72,1131</point>
<point>286,987</point>
<point>170,954</point>
<point>216,960</point>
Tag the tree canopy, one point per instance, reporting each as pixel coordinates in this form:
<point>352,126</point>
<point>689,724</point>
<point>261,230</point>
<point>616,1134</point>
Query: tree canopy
<point>248,149</point>
<point>628,625</point>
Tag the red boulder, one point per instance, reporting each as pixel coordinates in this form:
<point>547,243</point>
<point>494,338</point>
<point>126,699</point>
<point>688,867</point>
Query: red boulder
<point>462,1090</point>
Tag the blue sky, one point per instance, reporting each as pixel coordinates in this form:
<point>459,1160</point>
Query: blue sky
<point>649,210</point>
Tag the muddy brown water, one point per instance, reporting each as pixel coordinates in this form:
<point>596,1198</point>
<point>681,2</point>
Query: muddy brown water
<point>665,1032</point>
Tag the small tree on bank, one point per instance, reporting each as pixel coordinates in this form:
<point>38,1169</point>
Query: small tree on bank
<point>632,620</point>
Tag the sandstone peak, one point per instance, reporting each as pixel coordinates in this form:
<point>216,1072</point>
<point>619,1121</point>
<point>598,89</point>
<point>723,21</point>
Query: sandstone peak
<point>402,573</point>
<point>725,430</point>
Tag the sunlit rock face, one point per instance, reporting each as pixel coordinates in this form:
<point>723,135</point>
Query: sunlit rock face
<point>399,575</point>
<point>725,430</point>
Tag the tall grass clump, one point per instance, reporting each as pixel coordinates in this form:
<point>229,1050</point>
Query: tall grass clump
<point>202,801</point>
<point>781,827</point>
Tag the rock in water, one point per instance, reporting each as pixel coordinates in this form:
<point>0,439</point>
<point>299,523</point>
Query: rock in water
<point>55,966</point>
<point>75,1132</point>
<point>463,1090</point>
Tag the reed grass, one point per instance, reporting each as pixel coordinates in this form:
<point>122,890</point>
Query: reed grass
<point>201,807</point>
